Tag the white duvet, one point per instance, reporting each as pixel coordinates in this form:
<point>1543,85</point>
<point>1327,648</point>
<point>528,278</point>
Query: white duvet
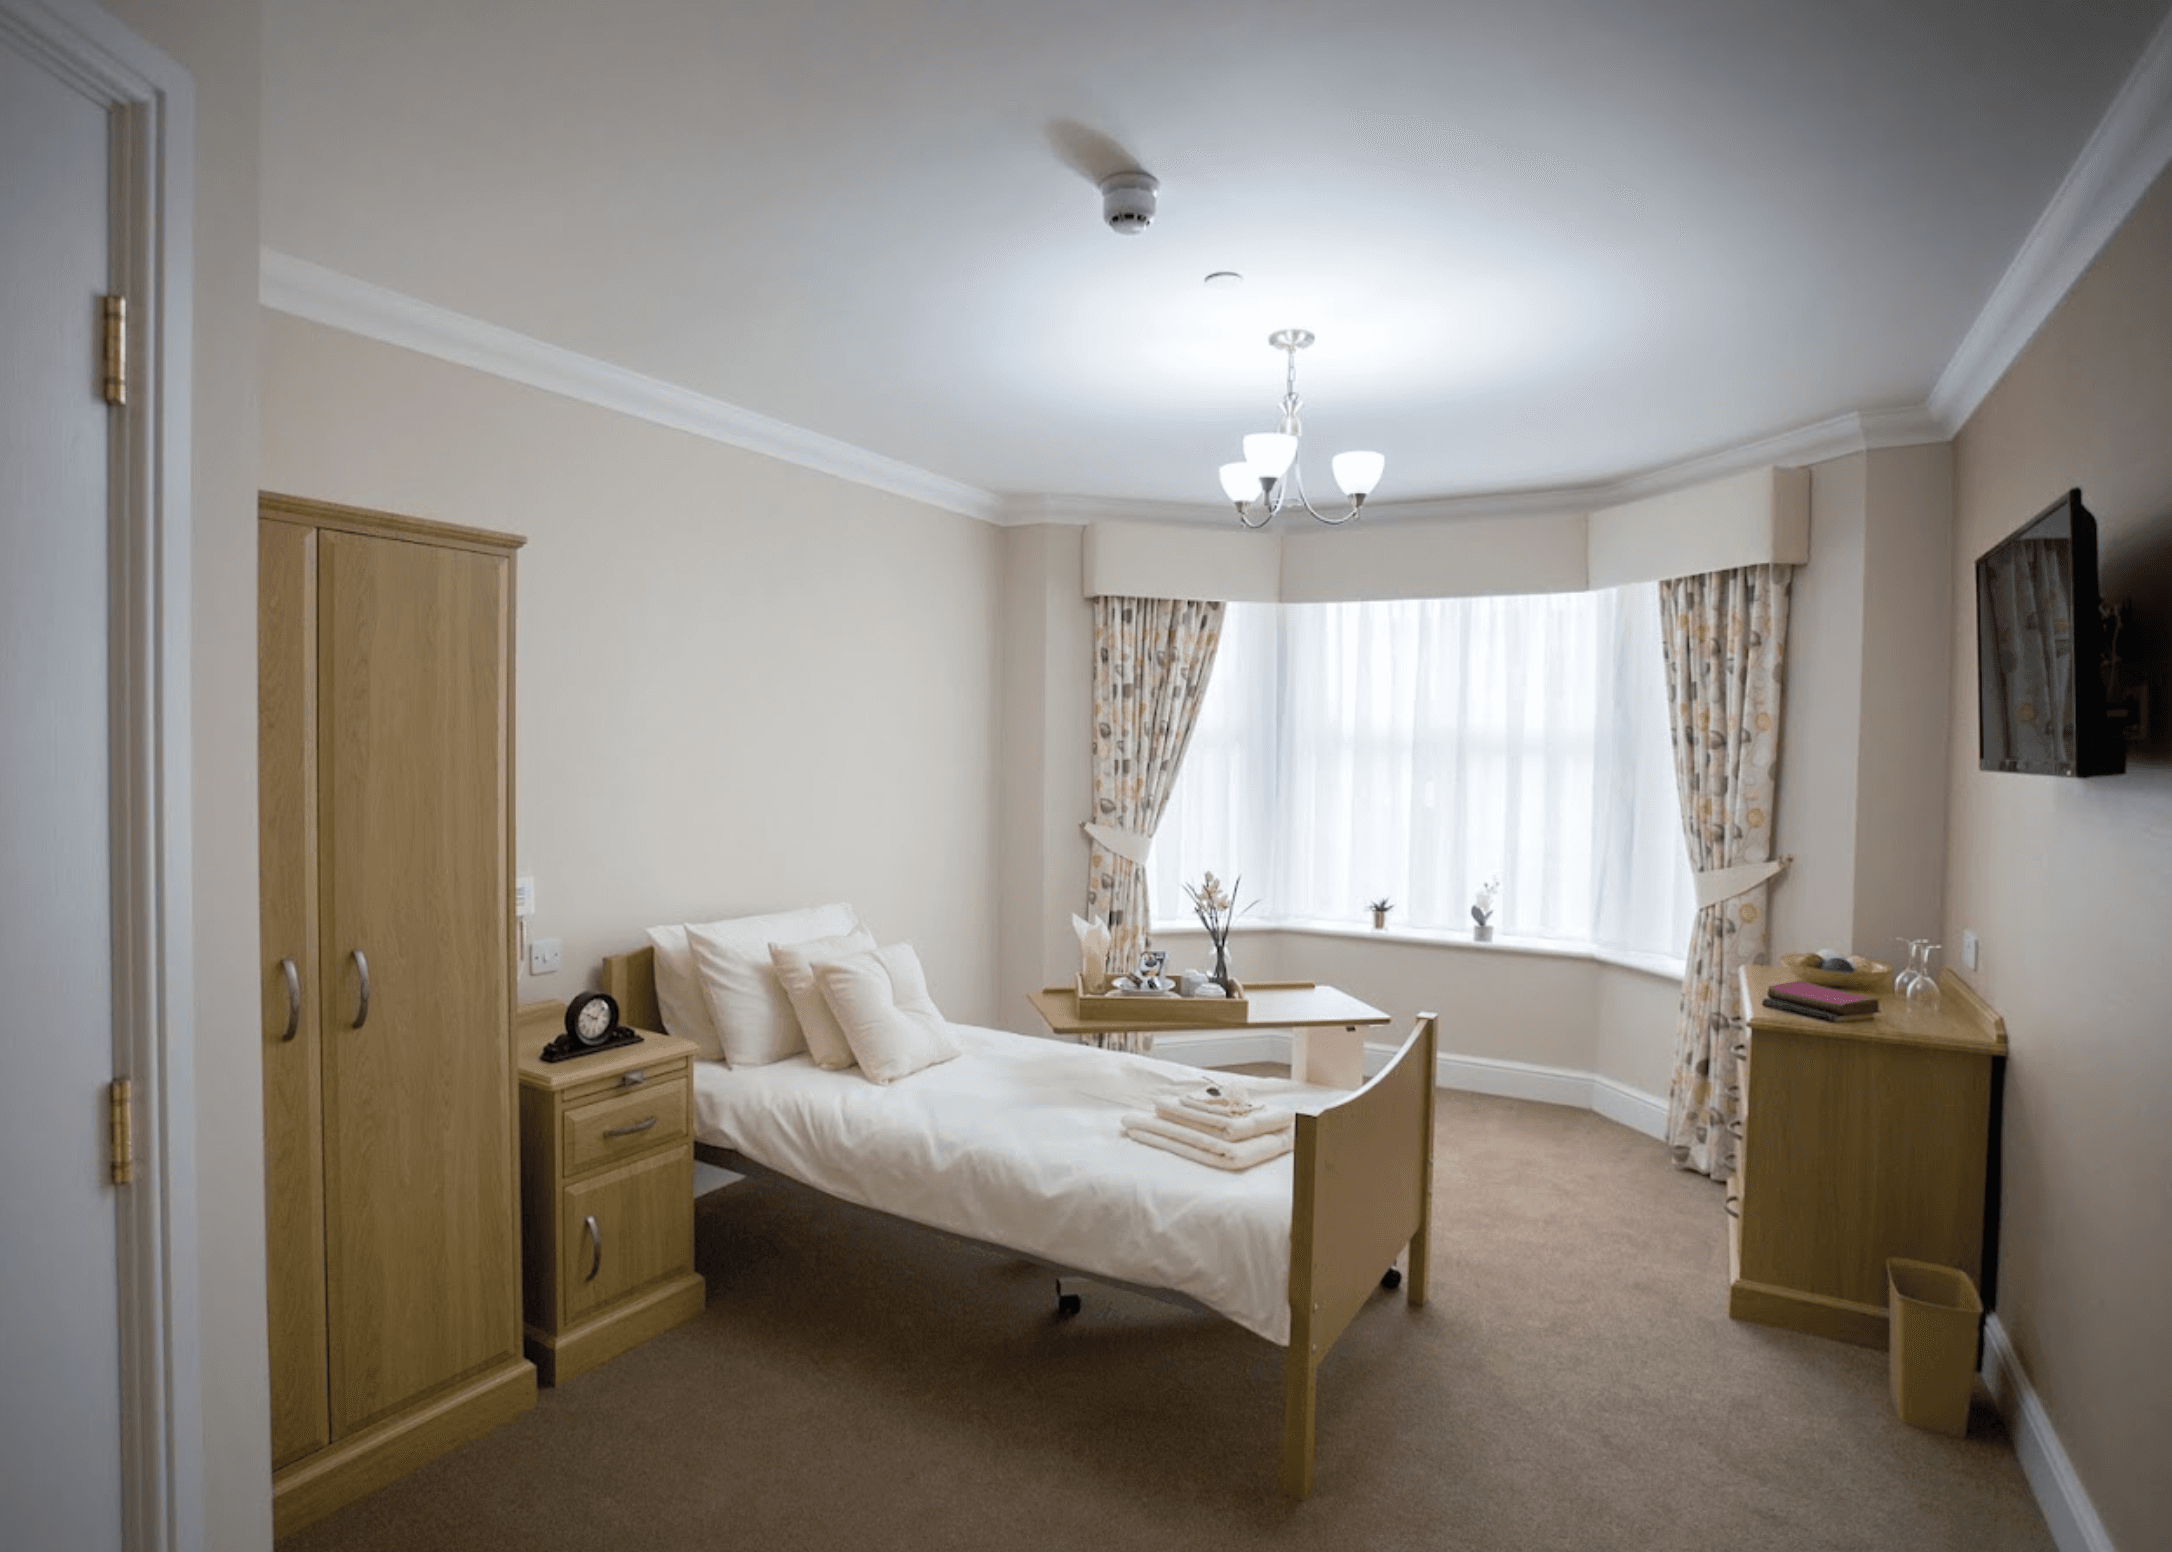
<point>1019,1143</point>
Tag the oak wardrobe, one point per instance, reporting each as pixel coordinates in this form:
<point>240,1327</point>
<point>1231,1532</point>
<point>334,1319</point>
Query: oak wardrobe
<point>385,830</point>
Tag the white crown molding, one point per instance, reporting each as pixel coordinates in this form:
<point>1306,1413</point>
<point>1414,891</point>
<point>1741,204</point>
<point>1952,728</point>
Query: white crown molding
<point>1858,431</point>
<point>2131,146</point>
<point>2068,1512</point>
<point>320,295</point>
<point>1077,511</point>
<point>310,291</point>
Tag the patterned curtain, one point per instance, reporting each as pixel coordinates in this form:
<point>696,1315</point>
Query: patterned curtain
<point>1152,657</point>
<point>1726,636</point>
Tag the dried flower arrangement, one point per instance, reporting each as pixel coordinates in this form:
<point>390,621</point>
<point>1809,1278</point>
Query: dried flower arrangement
<point>1217,910</point>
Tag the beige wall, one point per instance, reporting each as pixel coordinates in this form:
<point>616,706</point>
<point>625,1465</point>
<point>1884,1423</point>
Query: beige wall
<point>1638,1014</point>
<point>1560,1012</point>
<point>1046,698</point>
<point>2070,884</point>
<point>743,686</point>
<point>1864,716</point>
<point>217,42</point>
<point>1900,809</point>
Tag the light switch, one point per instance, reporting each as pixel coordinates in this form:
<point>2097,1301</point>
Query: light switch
<point>1968,949</point>
<point>544,956</point>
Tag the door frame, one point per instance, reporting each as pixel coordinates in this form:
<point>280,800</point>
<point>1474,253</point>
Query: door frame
<point>152,103</point>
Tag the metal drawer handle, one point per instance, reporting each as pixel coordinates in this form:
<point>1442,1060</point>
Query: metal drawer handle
<point>362,1014</point>
<point>294,999</point>
<point>630,1130</point>
<point>595,1238</point>
<point>634,1079</point>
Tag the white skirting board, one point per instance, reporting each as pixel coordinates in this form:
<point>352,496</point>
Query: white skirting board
<point>1625,1106</point>
<point>2059,1492</point>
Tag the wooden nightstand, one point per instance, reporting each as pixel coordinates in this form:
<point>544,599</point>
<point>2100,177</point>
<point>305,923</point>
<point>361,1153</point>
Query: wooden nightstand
<point>606,1196</point>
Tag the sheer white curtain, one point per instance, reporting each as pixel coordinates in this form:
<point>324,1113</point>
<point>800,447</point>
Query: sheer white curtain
<point>1412,749</point>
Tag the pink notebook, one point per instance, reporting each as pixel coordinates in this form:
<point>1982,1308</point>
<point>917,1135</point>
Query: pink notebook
<point>1824,997</point>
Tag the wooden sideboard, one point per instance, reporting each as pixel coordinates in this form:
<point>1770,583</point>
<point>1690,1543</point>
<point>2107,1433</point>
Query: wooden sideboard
<point>1860,1141</point>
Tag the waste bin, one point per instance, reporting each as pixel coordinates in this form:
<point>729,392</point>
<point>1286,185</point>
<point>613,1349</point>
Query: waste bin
<point>1934,1313</point>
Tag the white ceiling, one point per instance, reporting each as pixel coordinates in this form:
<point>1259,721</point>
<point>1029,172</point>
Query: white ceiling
<point>1542,242</point>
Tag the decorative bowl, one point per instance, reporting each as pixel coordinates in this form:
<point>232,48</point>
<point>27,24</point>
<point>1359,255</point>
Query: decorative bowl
<point>1867,976</point>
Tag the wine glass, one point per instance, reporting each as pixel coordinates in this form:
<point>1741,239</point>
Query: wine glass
<point>1915,987</point>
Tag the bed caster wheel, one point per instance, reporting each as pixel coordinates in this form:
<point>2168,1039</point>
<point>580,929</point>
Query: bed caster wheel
<point>1392,1277</point>
<point>1068,1304</point>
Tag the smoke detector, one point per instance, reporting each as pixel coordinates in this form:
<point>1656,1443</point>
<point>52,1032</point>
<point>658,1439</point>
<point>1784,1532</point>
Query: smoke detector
<point>1127,201</point>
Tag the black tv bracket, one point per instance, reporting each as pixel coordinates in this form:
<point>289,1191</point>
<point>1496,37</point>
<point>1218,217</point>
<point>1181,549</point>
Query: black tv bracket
<point>2126,706</point>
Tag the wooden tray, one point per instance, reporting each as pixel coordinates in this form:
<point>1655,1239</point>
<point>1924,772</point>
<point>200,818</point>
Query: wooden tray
<point>1180,1012</point>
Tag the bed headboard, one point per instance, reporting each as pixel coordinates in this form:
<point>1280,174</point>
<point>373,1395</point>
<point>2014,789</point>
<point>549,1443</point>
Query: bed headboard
<point>630,978</point>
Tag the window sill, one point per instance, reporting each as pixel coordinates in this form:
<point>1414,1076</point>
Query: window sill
<point>1656,965</point>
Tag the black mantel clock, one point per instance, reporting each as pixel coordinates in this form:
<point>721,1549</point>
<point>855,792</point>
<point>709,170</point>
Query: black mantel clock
<point>591,1025</point>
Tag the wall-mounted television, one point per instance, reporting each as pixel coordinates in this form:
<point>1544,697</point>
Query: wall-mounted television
<point>2039,684</point>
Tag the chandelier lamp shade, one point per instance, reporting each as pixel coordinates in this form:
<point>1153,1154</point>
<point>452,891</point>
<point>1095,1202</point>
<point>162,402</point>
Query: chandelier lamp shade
<point>1263,479</point>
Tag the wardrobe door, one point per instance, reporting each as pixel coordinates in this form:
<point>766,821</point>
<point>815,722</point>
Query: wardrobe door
<point>421,1220</point>
<point>286,778</point>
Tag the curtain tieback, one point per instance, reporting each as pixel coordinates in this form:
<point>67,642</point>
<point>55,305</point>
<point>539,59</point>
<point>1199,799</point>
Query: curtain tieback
<point>1717,884</point>
<point>1127,844</point>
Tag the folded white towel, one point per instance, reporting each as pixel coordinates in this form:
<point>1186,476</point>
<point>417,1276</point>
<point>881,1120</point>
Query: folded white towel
<point>1262,1120</point>
<point>1201,1147</point>
<point>1221,1099</point>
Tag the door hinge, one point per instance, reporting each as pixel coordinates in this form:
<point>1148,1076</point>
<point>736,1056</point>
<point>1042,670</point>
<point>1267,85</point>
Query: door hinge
<point>124,1132</point>
<point>116,349</point>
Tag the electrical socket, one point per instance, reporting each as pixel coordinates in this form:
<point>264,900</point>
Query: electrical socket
<point>1969,949</point>
<point>544,956</point>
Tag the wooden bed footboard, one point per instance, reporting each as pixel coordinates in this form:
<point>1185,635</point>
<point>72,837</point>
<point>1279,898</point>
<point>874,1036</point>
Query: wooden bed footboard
<point>1363,1191</point>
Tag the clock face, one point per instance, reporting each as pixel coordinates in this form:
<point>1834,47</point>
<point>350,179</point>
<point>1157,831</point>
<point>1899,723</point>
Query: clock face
<point>591,1017</point>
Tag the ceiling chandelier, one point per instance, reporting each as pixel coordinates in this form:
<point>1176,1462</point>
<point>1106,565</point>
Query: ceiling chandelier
<point>1270,466</point>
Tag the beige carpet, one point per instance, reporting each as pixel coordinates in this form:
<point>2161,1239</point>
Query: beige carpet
<point>1574,1383</point>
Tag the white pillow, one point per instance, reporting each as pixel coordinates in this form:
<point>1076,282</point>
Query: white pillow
<point>680,998</point>
<point>794,964</point>
<point>881,1001</point>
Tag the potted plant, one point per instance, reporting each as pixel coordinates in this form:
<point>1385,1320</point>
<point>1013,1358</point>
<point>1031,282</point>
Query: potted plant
<point>1380,909</point>
<point>1482,909</point>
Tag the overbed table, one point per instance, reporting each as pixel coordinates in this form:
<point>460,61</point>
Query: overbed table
<point>1329,1024</point>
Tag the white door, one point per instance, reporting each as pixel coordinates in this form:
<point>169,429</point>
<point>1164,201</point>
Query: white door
<point>60,1402</point>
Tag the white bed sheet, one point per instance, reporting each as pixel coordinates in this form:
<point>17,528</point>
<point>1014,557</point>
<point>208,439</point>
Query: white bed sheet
<point>1019,1143</point>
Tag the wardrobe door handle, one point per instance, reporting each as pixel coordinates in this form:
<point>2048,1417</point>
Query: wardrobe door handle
<point>595,1238</point>
<point>362,1013</point>
<point>294,999</point>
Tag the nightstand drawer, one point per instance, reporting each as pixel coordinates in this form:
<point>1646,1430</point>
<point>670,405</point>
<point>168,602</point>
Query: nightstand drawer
<point>624,1125</point>
<point>621,1230</point>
